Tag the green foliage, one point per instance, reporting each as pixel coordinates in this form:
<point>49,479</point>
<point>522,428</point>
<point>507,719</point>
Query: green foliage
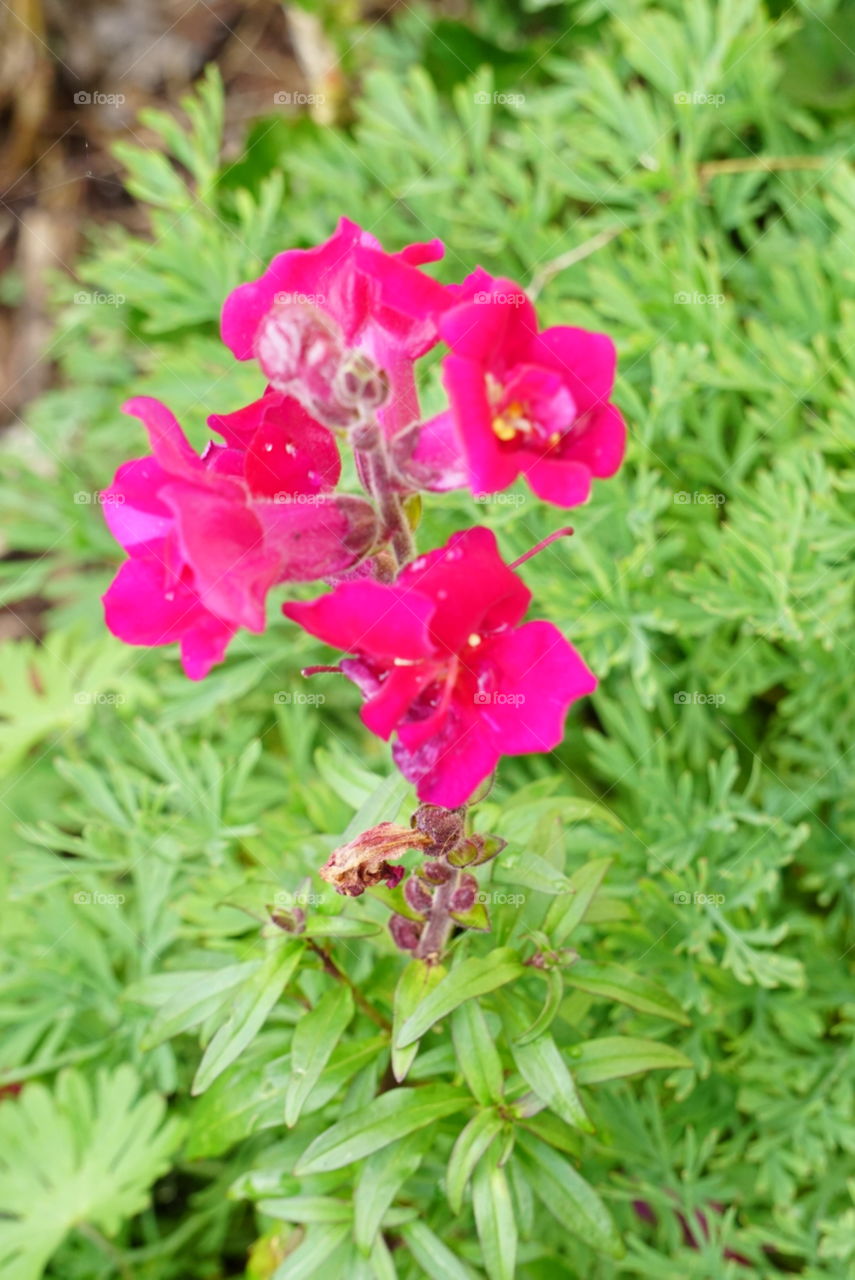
<point>683,861</point>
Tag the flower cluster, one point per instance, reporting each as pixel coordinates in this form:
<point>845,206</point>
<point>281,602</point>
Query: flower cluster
<point>435,642</point>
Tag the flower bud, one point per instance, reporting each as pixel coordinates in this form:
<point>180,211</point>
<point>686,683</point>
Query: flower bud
<point>301,352</point>
<point>360,383</point>
<point>417,895</point>
<point>444,826</point>
<point>435,873</point>
<point>405,933</point>
<point>464,895</point>
<point>475,850</point>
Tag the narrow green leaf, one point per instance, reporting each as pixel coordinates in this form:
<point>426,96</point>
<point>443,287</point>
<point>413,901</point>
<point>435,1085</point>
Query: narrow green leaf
<point>476,1054</point>
<point>315,1036</point>
<point>252,1004</point>
<point>545,1072</point>
<point>614,1056</point>
<point>381,1263</point>
<point>474,977</point>
<point>379,1181</point>
<point>554,996</point>
<point>314,1254</point>
<point>494,1218</point>
<point>566,912</point>
<point>568,1197</point>
<point>415,982</point>
<point>383,802</point>
<point>201,994</point>
<point>435,1258</point>
<point>470,1146</point>
<point>305,1209</point>
<point>339,927</point>
<point>386,1119</point>
<point>614,982</point>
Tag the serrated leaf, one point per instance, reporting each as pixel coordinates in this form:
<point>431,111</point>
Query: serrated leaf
<point>72,1156</point>
<point>386,1119</point>
<point>315,1036</point>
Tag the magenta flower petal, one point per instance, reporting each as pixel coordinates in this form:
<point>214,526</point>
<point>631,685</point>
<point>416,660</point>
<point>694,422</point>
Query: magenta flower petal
<point>585,360</point>
<point>169,444</point>
<point>319,537</point>
<point>602,444</point>
<point>473,588</point>
<point>566,483</point>
<point>447,767</point>
<point>144,606</point>
<point>370,618</point>
<point>224,543</point>
<point>491,468</point>
<point>204,645</point>
<point>537,675</point>
<point>395,694</point>
<point>466,684</point>
<point>423,251</point>
<point>430,456</point>
<point>291,453</point>
<point>525,401</point>
<point>134,513</point>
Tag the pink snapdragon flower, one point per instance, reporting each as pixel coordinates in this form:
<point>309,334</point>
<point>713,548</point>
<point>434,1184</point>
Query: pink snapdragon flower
<point>443,662</point>
<point>522,401</point>
<point>208,536</point>
<point>341,321</point>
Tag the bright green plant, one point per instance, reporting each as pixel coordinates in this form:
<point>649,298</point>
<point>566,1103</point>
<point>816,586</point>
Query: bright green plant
<point>684,1039</point>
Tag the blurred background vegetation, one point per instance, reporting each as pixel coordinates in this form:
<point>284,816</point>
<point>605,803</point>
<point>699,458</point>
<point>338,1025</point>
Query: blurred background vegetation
<point>677,173</point>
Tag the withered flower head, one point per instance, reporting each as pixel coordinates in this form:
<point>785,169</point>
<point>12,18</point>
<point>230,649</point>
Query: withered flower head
<point>353,867</point>
<point>444,826</point>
